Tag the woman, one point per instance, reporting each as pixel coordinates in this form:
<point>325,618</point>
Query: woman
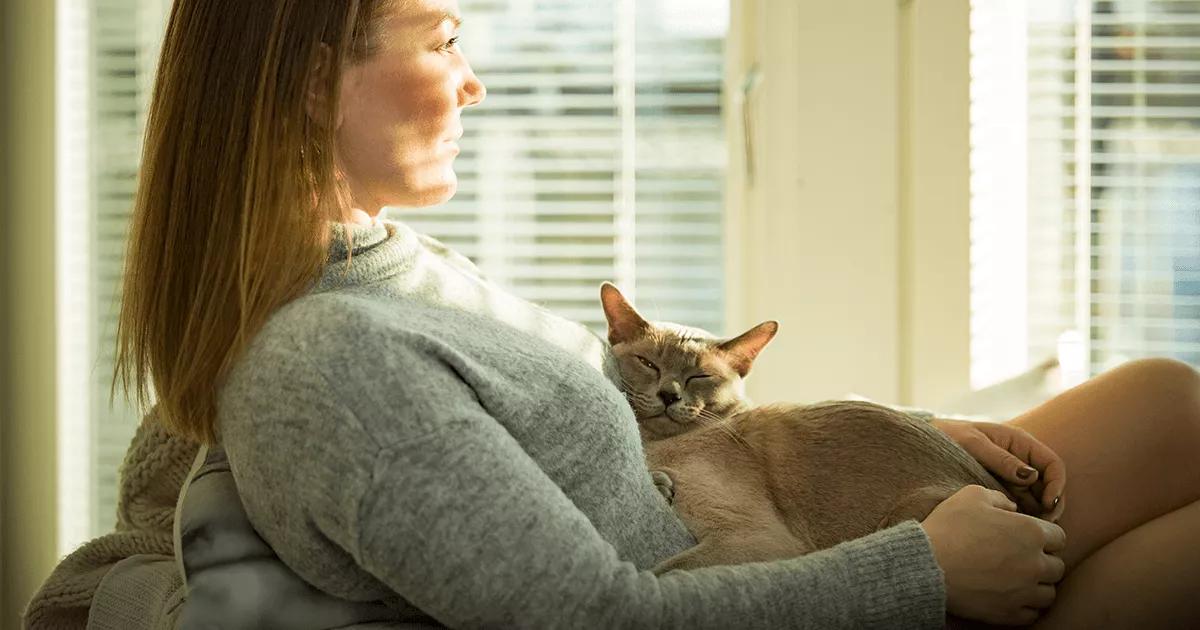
<point>402,431</point>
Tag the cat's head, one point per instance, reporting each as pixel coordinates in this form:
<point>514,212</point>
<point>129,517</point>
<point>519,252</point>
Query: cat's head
<point>678,378</point>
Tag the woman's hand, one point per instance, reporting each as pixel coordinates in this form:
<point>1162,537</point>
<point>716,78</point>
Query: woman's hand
<point>998,564</point>
<point>1034,474</point>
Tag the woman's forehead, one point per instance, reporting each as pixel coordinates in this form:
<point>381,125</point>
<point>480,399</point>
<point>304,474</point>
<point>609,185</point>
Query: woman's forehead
<point>423,15</point>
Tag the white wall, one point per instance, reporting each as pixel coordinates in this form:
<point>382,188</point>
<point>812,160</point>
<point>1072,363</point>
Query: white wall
<point>854,231</point>
<point>27,367</point>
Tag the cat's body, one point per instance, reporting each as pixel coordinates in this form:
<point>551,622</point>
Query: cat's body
<point>785,480</point>
<point>763,483</point>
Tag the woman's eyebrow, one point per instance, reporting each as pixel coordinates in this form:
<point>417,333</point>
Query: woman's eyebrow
<point>448,17</point>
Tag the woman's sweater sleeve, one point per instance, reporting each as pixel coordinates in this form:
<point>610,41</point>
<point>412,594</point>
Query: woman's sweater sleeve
<point>455,517</point>
<point>466,527</point>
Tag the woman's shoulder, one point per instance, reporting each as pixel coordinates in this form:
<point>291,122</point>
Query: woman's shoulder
<point>324,362</point>
<point>315,328</point>
<point>359,322</point>
<point>340,331</point>
<point>331,313</point>
<point>326,328</point>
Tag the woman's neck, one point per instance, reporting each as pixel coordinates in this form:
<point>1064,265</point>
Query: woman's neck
<point>359,216</point>
<point>364,208</point>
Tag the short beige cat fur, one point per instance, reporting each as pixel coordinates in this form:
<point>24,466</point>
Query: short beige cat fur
<point>762,483</point>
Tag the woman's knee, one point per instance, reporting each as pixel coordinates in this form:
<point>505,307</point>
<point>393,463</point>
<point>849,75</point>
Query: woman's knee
<point>1174,389</point>
<point>1173,382</point>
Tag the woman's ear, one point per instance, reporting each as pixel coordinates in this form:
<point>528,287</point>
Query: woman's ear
<point>317,102</point>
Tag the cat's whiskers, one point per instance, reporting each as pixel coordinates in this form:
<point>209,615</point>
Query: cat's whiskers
<point>723,424</point>
<point>641,403</point>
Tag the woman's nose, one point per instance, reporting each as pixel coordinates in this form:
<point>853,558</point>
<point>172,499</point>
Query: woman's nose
<point>473,91</point>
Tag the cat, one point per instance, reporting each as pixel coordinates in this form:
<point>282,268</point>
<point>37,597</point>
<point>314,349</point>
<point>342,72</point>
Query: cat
<point>764,483</point>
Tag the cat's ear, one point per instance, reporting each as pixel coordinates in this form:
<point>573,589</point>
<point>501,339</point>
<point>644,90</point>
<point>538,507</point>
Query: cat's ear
<point>624,323</point>
<point>743,349</point>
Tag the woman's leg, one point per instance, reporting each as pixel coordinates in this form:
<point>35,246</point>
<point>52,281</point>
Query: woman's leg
<point>1144,579</point>
<point>1130,438</point>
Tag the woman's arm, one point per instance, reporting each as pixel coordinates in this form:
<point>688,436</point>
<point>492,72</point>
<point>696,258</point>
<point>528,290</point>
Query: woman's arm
<point>450,512</point>
<point>469,529</point>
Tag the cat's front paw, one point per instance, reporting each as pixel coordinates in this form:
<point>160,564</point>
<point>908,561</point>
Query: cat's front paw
<point>665,486</point>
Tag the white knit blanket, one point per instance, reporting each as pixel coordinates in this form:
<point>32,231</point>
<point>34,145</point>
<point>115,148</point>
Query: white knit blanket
<point>127,579</point>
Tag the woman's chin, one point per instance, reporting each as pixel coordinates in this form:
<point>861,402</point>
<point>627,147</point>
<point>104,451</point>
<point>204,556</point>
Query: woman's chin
<point>431,194</point>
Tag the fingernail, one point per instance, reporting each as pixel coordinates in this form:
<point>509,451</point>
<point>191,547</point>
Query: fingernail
<point>1024,473</point>
<point>1056,501</point>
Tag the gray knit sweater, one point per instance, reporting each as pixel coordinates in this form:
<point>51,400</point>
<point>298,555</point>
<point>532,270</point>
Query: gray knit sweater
<point>409,432</point>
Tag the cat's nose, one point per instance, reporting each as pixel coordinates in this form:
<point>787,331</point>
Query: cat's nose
<point>667,398</point>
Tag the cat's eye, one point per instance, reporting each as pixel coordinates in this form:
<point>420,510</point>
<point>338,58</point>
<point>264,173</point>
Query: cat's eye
<point>692,378</point>
<point>645,362</point>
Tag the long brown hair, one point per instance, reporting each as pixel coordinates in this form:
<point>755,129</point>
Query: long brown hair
<point>236,187</point>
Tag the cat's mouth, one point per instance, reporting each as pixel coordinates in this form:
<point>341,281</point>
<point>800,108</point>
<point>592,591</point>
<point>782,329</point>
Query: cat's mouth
<point>667,415</point>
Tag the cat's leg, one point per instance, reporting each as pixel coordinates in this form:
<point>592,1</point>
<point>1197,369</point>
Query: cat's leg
<point>703,554</point>
<point>665,485</point>
<point>737,549</point>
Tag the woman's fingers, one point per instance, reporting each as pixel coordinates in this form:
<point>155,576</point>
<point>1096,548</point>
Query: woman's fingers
<point>1042,597</point>
<point>992,450</point>
<point>994,562</point>
<point>994,446</point>
<point>1054,472</point>
<point>1028,450</point>
<point>1024,617</point>
<point>1017,458</point>
<point>1039,599</point>
<point>996,499</point>
<point>1056,537</point>
<point>1053,569</point>
<point>1013,469</point>
<point>1058,504</point>
<point>1027,499</point>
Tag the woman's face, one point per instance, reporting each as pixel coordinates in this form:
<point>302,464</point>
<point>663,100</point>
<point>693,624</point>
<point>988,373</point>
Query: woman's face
<point>399,111</point>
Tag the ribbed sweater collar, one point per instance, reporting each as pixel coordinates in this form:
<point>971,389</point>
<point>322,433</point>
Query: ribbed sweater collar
<point>380,250</point>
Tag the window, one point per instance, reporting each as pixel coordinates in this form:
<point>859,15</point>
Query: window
<point>598,155</point>
<point>1085,183</point>
<point>106,55</point>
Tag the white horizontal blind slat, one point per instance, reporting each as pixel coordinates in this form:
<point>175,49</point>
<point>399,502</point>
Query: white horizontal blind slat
<point>1140,241</point>
<point>122,52</point>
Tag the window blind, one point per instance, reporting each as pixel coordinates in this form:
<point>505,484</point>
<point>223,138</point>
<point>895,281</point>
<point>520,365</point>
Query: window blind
<point>1085,183</point>
<point>107,50</point>
<point>598,155</point>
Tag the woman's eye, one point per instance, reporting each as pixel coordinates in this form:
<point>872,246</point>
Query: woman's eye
<point>647,363</point>
<point>450,44</point>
